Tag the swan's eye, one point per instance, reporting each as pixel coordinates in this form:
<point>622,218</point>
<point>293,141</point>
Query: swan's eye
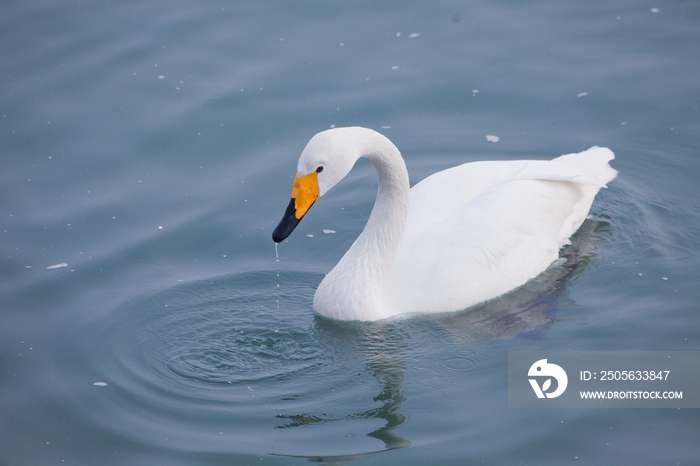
<point>319,169</point>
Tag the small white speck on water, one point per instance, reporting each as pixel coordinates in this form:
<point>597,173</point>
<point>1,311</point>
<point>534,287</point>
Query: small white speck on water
<point>582,94</point>
<point>329,232</point>
<point>492,138</point>
<point>57,266</point>
<point>309,236</point>
<point>100,384</point>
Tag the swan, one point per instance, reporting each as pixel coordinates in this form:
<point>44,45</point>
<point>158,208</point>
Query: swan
<point>459,237</point>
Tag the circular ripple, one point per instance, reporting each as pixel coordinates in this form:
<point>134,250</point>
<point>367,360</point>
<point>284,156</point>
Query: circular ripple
<point>244,356</point>
<point>460,360</point>
<point>233,356</point>
<point>237,330</point>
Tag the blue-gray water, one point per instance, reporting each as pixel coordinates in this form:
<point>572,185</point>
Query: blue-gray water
<point>150,146</point>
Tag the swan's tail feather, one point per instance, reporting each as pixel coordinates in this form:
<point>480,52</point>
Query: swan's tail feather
<point>590,167</point>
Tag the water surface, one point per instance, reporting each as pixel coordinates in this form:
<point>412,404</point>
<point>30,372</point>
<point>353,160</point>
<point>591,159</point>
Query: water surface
<point>148,152</point>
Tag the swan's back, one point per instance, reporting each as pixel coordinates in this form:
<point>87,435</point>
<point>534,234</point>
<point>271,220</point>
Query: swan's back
<point>478,230</point>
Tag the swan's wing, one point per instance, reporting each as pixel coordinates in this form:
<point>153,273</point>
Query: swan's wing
<point>478,230</point>
<point>443,194</point>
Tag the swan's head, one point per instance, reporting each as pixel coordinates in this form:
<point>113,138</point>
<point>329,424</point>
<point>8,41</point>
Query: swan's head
<point>326,159</point>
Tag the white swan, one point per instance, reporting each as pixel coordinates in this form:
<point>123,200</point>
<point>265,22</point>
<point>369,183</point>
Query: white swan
<point>459,237</point>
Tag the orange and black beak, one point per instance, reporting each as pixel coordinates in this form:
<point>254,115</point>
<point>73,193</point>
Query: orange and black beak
<point>304,194</point>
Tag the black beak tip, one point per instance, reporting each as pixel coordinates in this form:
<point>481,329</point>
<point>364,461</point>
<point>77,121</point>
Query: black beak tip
<point>284,229</point>
<point>287,225</point>
<point>277,237</point>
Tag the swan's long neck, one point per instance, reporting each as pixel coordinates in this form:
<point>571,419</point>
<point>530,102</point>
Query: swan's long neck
<point>352,290</point>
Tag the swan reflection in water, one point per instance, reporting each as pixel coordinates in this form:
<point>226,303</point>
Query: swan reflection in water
<point>385,363</point>
<point>528,312</point>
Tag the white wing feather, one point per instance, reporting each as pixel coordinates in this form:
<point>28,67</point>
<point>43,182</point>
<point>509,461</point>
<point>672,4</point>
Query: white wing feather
<point>480,228</point>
